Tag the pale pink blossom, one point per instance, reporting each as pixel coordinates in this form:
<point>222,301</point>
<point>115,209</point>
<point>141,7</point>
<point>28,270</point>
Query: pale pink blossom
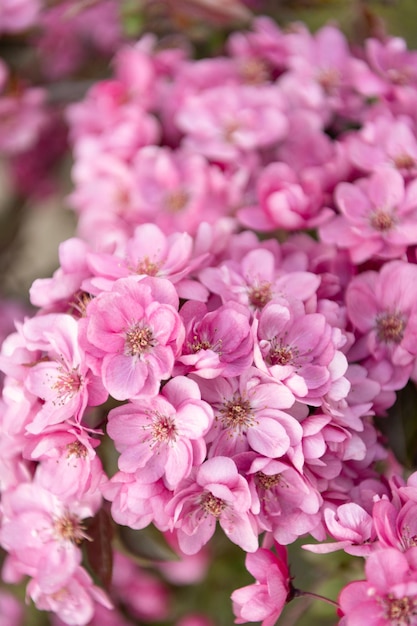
<point>134,333</point>
<point>109,120</point>
<point>60,291</point>
<point>137,499</point>
<point>61,379</point>
<point>165,432</point>
<point>216,492</point>
<point>249,415</point>
<point>286,502</point>
<point>74,602</point>
<point>18,15</point>
<point>42,534</point>
<point>250,118</point>
<point>149,252</point>
<point>384,140</point>
<point>257,278</point>
<point>382,308</point>
<point>377,217</point>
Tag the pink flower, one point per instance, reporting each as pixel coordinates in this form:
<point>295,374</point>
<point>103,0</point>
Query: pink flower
<point>387,597</point>
<point>385,140</point>
<point>149,252</point>
<point>137,499</point>
<point>250,118</point>
<point>20,15</point>
<point>249,415</point>
<point>350,525</point>
<point>378,216</point>
<point>396,524</point>
<point>42,533</point>
<point>382,307</point>
<point>217,342</point>
<point>61,378</point>
<point>165,432</point>
<point>286,501</point>
<point>216,492</point>
<point>298,349</point>
<point>134,334</point>
<point>257,278</point>
<point>264,600</point>
<point>73,602</point>
<point>285,201</point>
<point>61,290</point>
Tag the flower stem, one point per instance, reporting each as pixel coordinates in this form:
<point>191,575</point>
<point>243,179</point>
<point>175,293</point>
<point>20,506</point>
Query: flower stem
<point>298,593</point>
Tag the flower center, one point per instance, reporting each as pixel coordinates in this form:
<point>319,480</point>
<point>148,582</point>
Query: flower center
<point>382,221</point>
<point>404,162</point>
<point>260,295</point>
<point>204,344</point>
<point>67,385</point>
<point>237,414</point>
<point>212,505</point>
<point>77,449</point>
<point>139,339</point>
<point>329,79</point>
<point>163,429</point>
<point>254,72</point>
<point>390,327</point>
<point>146,266</point>
<point>70,528</point>
<point>280,354</point>
<point>176,201</point>
<point>229,130</point>
<point>399,610</point>
<point>268,481</point>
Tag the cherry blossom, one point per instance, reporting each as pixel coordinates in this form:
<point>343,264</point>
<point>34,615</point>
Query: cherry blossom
<point>134,333</point>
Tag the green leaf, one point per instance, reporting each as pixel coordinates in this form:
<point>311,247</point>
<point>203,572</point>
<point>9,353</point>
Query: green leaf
<point>148,544</point>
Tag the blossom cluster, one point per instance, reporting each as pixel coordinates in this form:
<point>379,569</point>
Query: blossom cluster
<point>234,360</point>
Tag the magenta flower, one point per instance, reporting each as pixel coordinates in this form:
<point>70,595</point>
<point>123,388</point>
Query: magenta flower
<point>134,334</point>
<point>264,600</point>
